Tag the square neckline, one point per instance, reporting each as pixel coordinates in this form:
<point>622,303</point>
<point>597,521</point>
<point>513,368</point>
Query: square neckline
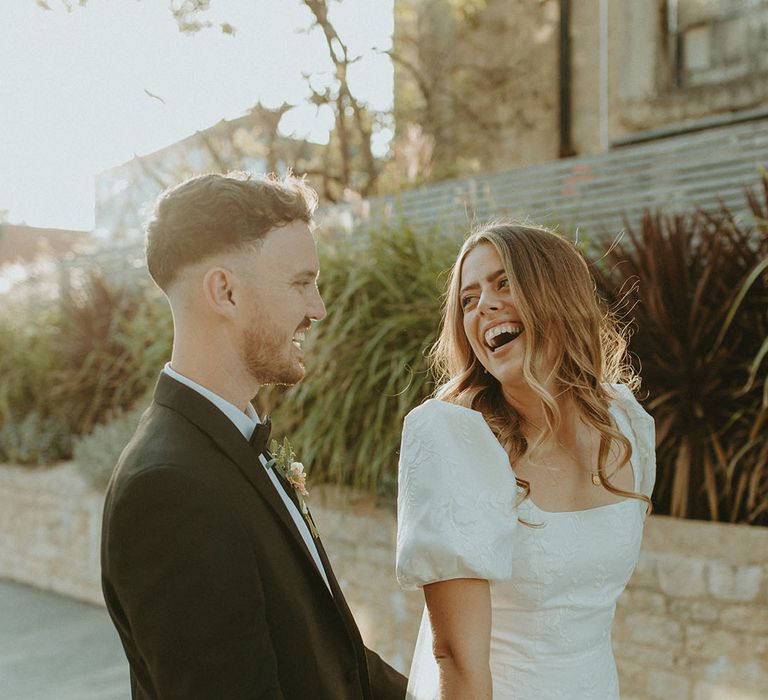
<point>611,410</point>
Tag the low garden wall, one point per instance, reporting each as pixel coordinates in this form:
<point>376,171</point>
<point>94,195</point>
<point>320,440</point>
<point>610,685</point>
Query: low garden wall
<point>692,624</point>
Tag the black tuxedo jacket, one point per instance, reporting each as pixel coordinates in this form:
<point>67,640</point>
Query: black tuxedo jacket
<point>212,590</point>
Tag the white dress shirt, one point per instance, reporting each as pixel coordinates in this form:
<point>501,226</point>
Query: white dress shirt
<point>246,424</point>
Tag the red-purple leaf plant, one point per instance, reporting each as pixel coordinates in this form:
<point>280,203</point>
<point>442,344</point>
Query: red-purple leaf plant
<point>695,291</point>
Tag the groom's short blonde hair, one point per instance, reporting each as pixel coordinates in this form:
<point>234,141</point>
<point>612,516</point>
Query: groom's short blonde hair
<point>211,214</point>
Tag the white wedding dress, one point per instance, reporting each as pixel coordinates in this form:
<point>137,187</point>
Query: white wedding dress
<point>553,588</point>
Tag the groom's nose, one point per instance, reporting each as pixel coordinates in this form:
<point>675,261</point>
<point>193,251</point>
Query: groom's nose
<point>317,310</point>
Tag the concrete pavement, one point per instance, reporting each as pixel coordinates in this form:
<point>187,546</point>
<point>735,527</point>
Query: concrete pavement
<point>55,648</point>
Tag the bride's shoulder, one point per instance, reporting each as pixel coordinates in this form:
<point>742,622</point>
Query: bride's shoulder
<point>457,498</point>
<point>450,420</point>
<point>453,434</point>
<point>638,425</point>
<point>623,399</point>
<point>439,411</point>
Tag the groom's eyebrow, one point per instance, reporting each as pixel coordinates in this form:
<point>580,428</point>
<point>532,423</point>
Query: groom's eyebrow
<point>492,277</point>
<point>307,275</point>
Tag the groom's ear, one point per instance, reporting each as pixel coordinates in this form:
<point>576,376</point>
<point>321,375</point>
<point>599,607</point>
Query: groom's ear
<point>221,291</point>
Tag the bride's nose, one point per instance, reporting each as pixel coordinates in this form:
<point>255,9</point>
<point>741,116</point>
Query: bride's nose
<point>488,302</point>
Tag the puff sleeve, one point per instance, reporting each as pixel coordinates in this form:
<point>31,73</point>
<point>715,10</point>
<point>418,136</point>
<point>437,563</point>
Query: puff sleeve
<point>638,425</point>
<point>457,499</point>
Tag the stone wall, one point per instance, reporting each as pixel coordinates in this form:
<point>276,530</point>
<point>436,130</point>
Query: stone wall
<point>50,524</point>
<point>692,624</point>
<point>640,90</point>
<point>644,90</point>
<point>694,621</point>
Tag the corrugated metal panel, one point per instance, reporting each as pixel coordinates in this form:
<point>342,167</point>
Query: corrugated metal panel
<point>596,192</point>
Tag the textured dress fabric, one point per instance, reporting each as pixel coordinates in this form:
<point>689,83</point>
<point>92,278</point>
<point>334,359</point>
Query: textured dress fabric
<point>553,587</point>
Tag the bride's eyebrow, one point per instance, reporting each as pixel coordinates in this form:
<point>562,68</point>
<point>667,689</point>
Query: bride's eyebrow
<point>475,285</point>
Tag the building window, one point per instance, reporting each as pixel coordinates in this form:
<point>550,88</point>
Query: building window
<point>717,42</point>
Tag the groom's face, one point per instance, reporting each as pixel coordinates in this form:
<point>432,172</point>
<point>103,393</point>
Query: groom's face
<point>284,300</point>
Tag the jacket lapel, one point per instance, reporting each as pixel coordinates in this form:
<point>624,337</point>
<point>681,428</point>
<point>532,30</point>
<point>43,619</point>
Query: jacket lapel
<point>230,441</point>
<point>338,597</point>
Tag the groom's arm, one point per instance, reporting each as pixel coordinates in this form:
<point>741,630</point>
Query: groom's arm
<point>386,682</point>
<point>187,586</point>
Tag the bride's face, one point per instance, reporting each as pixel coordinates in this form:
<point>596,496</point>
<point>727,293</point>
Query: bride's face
<point>492,323</point>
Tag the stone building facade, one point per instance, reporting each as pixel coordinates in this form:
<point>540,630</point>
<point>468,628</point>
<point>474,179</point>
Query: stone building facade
<point>506,83</point>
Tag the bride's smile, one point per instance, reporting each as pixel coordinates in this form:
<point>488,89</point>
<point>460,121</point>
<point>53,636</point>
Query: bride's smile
<point>492,323</point>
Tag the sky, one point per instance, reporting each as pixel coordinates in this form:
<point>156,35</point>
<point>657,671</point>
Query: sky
<point>73,86</point>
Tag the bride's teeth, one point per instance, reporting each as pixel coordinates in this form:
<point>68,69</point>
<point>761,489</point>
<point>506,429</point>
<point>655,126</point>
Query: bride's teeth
<point>512,328</point>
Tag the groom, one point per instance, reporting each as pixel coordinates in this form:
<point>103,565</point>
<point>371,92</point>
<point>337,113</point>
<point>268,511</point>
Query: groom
<point>210,570</point>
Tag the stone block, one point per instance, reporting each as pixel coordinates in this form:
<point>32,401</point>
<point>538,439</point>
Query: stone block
<point>694,610</point>
<point>735,583</point>
<point>697,49</point>
<point>654,630</point>
<point>697,539</point>
<point>757,646</point>
<point>665,685</point>
<point>745,618</point>
<point>633,675</point>
<point>740,682</point>
<point>731,670</point>
<point>722,691</point>
<point>731,41</point>
<point>763,596</point>
<point>710,642</point>
<point>642,599</point>
<point>648,656</point>
<point>646,573</point>
<point>682,577</point>
<point>636,31</point>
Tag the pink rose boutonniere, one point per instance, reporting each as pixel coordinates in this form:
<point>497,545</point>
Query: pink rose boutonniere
<point>284,461</point>
<point>297,478</point>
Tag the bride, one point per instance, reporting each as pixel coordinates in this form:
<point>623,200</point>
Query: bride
<point>525,483</point>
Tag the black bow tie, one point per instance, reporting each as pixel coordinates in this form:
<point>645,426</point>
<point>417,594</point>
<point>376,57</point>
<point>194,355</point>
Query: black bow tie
<point>260,438</point>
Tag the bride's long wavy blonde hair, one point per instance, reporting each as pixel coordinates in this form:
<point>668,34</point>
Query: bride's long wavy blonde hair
<point>556,300</point>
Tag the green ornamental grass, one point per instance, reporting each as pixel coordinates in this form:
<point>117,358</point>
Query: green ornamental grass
<point>694,287</point>
<point>366,362</point>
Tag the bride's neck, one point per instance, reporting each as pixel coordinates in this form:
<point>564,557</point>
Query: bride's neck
<point>530,408</point>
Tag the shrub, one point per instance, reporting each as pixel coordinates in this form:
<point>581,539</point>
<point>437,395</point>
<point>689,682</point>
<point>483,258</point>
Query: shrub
<point>30,430</point>
<point>32,439</point>
<point>701,337</point>
<point>96,453</point>
<point>68,364</point>
<point>112,342</point>
<point>27,359</point>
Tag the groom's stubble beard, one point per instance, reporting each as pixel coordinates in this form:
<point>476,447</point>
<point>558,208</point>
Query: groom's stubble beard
<point>268,355</point>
